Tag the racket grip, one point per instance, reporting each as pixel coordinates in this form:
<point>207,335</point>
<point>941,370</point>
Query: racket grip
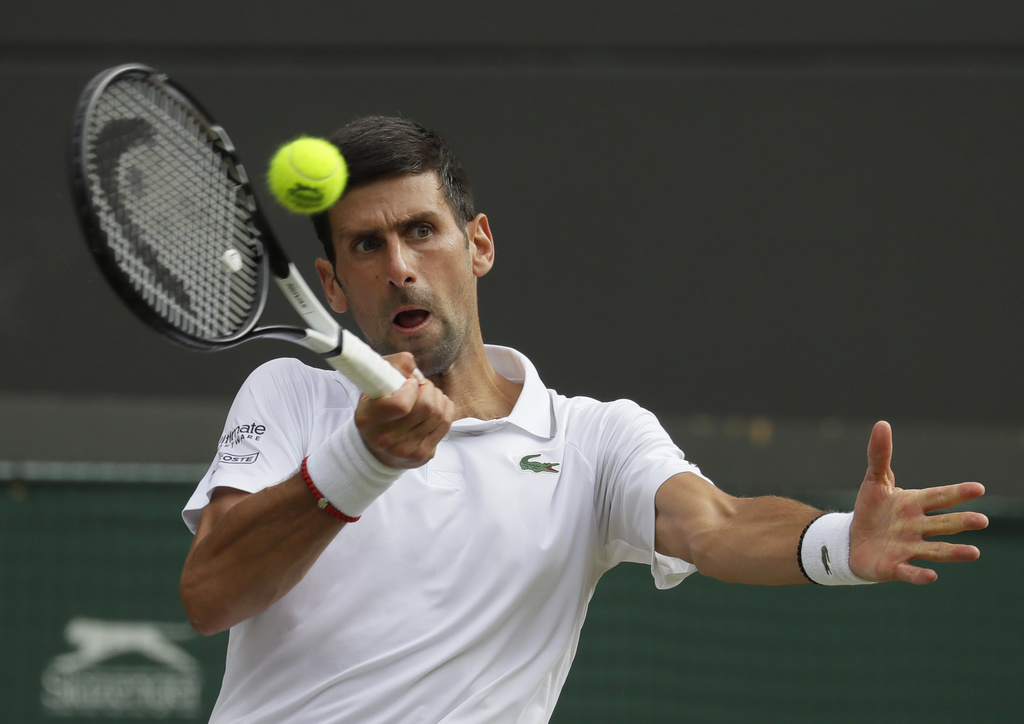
<point>371,373</point>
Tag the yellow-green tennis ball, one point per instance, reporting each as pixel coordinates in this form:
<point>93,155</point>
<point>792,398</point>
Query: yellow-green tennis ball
<point>307,175</point>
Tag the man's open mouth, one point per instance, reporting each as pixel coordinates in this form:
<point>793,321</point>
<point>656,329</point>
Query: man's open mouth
<point>411,319</point>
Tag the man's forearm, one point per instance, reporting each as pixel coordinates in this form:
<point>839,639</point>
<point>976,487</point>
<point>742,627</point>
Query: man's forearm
<point>758,544</point>
<point>740,540</point>
<point>251,550</point>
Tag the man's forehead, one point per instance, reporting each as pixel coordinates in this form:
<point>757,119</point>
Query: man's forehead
<point>386,201</point>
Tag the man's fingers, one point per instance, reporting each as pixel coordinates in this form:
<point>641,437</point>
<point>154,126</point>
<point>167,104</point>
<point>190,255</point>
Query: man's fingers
<point>932,551</point>
<point>963,553</point>
<point>880,454</point>
<point>952,523</point>
<point>394,407</point>
<point>915,574</point>
<point>403,428</point>
<point>946,496</point>
<point>427,425</point>
<point>412,406</point>
<point>935,553</point>
<point>433,437</point>
<point>939,552</point>
<point>404,362</point>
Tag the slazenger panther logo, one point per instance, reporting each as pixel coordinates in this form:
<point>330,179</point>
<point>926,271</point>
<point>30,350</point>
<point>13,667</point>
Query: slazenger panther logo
<point>96,641</point>
<point>119,669</point>
<point>528,463</point>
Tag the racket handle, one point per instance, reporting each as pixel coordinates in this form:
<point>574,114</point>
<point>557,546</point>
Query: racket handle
<point>372,374</point>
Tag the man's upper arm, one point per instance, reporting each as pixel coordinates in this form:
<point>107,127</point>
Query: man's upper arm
<point>222,499</point>
<point>687,506</point>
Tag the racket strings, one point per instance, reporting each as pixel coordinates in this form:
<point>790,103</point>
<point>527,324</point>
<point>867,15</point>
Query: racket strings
<point>177,218</point>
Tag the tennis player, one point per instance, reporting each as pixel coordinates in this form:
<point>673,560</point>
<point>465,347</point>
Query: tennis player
<point>429,556</point>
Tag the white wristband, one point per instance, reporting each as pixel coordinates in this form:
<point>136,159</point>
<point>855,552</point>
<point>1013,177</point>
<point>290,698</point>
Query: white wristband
<point>825,551</point>
<point>346,473</point>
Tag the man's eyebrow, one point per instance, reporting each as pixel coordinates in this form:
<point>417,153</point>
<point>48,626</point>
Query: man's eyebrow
<point>419,217</point>
<point>341,232</point>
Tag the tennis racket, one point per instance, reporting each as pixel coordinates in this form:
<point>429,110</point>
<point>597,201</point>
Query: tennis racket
<point>171,218</point>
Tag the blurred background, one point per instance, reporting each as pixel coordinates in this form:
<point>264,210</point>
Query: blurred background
<point>769,223</point>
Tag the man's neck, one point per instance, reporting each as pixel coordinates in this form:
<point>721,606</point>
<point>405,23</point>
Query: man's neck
<point>476,388</point>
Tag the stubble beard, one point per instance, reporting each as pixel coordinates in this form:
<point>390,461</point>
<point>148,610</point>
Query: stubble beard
<point>432,357</point>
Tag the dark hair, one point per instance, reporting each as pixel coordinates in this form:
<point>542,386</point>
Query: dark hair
<point>377,147</point>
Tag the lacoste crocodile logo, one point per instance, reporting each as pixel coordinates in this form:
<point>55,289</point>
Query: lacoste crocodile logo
<point>527,463</point>
<point>824,560</point>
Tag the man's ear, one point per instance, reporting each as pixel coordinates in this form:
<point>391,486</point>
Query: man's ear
<point>332,290</point>
<point>481,244</point>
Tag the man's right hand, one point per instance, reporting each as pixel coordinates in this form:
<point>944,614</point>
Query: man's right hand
<point>403,429</point>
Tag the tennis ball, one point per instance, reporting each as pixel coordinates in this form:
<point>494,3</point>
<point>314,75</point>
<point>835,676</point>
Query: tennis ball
<point>307,175</point>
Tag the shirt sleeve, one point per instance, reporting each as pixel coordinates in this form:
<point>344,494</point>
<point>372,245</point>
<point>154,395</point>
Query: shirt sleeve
<point>265,435</point>
<point>636,456</point>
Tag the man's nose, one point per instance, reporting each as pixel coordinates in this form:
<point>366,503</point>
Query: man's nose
<point>400,269</point>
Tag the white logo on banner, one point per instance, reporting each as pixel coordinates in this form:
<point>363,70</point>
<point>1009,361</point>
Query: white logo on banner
<point>83,682</point>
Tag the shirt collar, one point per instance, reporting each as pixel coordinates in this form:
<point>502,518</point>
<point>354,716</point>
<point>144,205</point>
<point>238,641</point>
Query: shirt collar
<point>533,411</point>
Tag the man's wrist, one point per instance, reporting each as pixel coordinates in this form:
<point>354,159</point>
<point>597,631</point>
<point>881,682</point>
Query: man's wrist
<point>824,551</point>
<point>344,473</point>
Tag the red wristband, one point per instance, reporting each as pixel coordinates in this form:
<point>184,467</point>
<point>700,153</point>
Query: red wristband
<point>321,501</point>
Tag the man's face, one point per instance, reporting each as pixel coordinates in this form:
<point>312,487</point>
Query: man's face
<point>406,269</point>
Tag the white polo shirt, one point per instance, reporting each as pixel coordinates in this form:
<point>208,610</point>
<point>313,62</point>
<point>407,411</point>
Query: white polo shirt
<point>460,594</point>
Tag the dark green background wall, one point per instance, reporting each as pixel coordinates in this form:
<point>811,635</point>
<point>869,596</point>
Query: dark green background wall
<point>702,652</point>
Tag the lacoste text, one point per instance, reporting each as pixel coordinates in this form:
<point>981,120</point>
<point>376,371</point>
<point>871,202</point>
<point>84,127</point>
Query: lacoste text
<point>238,459</point>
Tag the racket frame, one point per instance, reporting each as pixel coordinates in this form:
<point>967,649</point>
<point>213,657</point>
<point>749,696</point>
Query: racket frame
<point>323,335</point>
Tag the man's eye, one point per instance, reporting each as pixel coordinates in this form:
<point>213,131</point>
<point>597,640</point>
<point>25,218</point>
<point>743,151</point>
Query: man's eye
<point>364,245</point>
<point>422,231</point>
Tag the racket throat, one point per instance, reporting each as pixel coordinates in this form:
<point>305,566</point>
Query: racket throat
<point>300,296</point>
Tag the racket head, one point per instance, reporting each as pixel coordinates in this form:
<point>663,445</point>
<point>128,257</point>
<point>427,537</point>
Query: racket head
<point>167,209</point>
